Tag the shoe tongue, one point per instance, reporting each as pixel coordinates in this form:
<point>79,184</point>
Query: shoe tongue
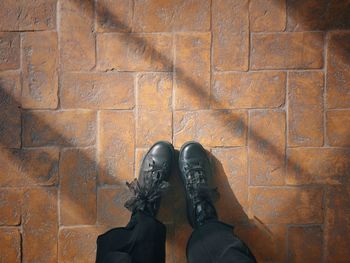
<point>204,212</point>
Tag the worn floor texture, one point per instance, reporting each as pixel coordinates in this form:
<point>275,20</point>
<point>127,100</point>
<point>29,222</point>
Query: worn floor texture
<point>87,86</point>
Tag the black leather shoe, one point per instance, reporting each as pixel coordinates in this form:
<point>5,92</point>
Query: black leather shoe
<point>195,170</point>
<point>152,180</point>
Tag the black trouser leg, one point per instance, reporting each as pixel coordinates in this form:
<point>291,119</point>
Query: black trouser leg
<point>141,241</point>
<point>215,242</point>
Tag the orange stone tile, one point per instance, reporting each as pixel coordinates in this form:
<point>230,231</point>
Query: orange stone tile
<point>267,16</point>
<point>27,15</point>
<point>192,71</point>
<point>40,65</point>
<point>139,155</point>
<point>98,90</point>
<point>287,50</point>
<point>248,90</point>
<point>77,39</point>
<point>154,91</point>
<point>10,114</point>
<point>317,166</point>
<point>266,141</point>
<point>338,70</point>
<point>169,245</point>
<point>9,50</point>
<point>40,226</point>
<point>182,233</point>
<point>338,128</point>
<point>68,128</point>
<point>116,145</point>
<point>78,174</point>
<point>114,16</point>
<point>230,28</point>
<point>273,205</point>
<point>29,167</point>
<point>305,108</point>
<point>231,178</point>
<point>134,52</point>
<point>10,207</point>
<point>173,15</point>
<point>10,245</point>
<point>211,128</point>
<point>305,244</point>
<point>267,242</point>
<point>110,206</point>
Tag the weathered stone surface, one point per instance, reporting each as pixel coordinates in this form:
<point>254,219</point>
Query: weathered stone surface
<point>10,114</point>
<point>10,245</point>
<point>182,233</point>
<point>287,50</point>
<point>267,15</point>
<point>210,128</point>
<point>305,244</point>
<point>66,128</point>
<point>305,102</point>
<point>27,15</point>
<point>192,71</point>
<point>317,165</point>
<point>98,90</point>
<point>114,15</point>
<point>10,207</point>
<point>338,70</point>
<point>78,174</point>
<point>134,52</point>
<point>273,205</point>
<point>116,145</point>
<point>173,15</point>
<point>40,65</point>
<point>40,226</point>
<point>28,167</point>
<point>338,128</point>
<point>230,34</point>
<point>266,141</point>
<point>77,38</point>
<point>248,90</point>
<point>9,50</point>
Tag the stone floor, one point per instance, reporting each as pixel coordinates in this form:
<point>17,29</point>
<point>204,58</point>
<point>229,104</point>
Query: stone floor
<point>88,85</point>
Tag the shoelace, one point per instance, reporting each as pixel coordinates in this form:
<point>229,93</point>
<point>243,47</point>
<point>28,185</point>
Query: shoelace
<point>196,181</point>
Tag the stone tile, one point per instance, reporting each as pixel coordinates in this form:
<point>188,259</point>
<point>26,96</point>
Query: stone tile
<point>10,206</point>
<point>116,148</point>
<point>273,205</point>
<point>29,167</point>
<point>267,15</point>
<point>317,166</point>
<point>182,233</point>
<point>77,38</point>
<point>267,242</point>
<point>27,15</point>
<point>10,114</point>
<point>134,52</point>
<point>114,16</point>
<point>287,51</point>
<point>173,15</point>
<point>154,91</point>
<point>248,90</point>
<point>78,174</point>
<point>65,128</point>
<point>231,179</point>
<point>98,90</point>
<point>9,50</point>
<point>305,244</point>
<point>266,141</point>
<point>192,71</point>
<point>338,128</point>
<point>338,70</point>
<point>40,65</point>
<point>230,27</point>
<point>139,155</point>
<point>40,226</point>
<point>110,206</point>
<point>210,128</point>
<point>305,102</point>
<point>10,245</point>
